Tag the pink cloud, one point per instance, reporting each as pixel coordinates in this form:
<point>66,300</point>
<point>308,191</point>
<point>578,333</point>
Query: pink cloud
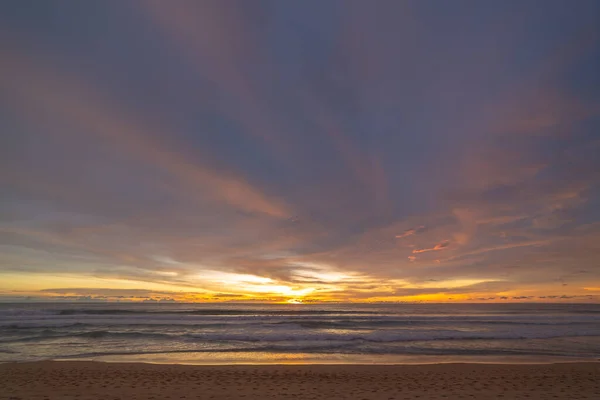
<point>410,232</point>
<point>440,246</point>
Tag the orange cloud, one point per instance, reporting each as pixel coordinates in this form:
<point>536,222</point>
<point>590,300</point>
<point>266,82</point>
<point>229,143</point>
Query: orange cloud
<point>440,246</point>
<point>410,232</point>
<point>467,219</point>
<point>501,247</point>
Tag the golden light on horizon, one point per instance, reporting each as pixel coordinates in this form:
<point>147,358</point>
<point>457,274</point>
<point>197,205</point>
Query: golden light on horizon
<point>212,285</point>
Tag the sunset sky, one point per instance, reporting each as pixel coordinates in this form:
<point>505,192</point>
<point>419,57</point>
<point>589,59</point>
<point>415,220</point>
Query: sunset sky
<point>300,150</point>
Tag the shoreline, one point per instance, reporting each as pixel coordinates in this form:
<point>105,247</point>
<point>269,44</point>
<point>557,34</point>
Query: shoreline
<point>90,380</point>
<point>260,358</point>
<point>292,365</point>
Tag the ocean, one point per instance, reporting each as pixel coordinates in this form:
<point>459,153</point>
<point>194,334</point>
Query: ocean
<point>299,333</point>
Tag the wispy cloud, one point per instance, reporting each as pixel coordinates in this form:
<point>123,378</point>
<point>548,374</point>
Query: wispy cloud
<point>42,90</point>
<point>439,246</point>
<point>410,232</point>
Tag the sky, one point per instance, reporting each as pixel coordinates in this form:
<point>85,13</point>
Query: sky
<point>307,151</point>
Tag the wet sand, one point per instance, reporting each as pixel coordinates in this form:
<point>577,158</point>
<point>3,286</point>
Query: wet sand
<point>127,381</point>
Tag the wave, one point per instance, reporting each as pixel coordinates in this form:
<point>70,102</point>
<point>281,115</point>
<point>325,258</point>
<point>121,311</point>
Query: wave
<point>390,323</point>
<point>359,322</point>
<point>381,336</point>
<point>406,309</point>
<point>34,326</point>
<point>52,334</point>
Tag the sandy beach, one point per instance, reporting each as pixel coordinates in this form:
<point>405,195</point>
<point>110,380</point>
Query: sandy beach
<point>128,381</point>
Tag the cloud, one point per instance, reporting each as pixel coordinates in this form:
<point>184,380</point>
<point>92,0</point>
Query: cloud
<point>105,292</point>
<point>263,152</point>
<point>439,246</point>
<point>468,221</point>
<point>410,232</point>
<point>45,91</point>
<point>498,248</point>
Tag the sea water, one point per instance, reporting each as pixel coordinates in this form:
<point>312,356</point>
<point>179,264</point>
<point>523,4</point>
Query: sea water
<point>299,333</point>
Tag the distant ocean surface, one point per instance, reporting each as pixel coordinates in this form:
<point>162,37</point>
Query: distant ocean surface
<point>331,333</point>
